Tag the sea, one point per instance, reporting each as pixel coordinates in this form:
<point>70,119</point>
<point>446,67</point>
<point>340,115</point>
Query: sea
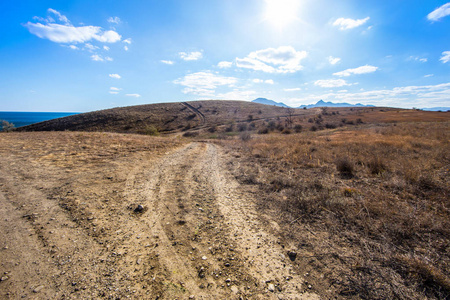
<point>20,119</point>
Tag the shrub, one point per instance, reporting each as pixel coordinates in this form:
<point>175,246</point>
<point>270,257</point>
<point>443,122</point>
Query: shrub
<point>245,136</point>
<point>7,126</point>
<point>298,128</point>
<point>376,166</point>
<point>242,127</point>
<point>345,167</point>
<point>212,129</point>
<point>330,126</point>
<point>264,130</point>
<point>286,131</point>
<point>151,130</point>
<point>190,134</point>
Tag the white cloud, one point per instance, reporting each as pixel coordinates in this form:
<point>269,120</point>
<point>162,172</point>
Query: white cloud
<point>204,83</point>
<point>345,24</point>
<point>115,88</point>
<point>90,47</point>
<point>73,47</point>
<point>115,20</point>
<point>107,58</point>
<point>133,95</point>
<point>331,83</point>
<point>113,92</point>
<point>360,70</point>
<point>70,34</point>
<point>417,58</point>
<point>116,76</point>
<point>127,41</point>
<point>268,81</point>
<point>439,13</point>
<point>61,17</point>
<point>97,57</point>
<point>125,48</point>
<point>333,60</point>
<point>292,90</point>
<point>428,75</point>
<point>445,58</point>
<point>106,48</point>
<point>237,94</point>
<point>409,96</point>
<point>67,33</point>
<point>224,64</point>
<point>196,55</point>
<point>167,62</point>
<point>284,59</point>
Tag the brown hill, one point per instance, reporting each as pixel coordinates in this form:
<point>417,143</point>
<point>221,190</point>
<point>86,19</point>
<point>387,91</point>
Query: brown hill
<point>226,116</point>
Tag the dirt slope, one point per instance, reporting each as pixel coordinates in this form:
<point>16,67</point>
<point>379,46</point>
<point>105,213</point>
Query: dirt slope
<point>71,231</point>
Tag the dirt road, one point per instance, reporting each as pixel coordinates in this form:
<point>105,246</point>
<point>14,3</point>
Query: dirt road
<point>79,235</point>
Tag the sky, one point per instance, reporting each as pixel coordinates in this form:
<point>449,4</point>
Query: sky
<point>79,56</point>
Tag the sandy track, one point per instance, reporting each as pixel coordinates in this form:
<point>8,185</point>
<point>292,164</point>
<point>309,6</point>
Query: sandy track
<point>199,235</point>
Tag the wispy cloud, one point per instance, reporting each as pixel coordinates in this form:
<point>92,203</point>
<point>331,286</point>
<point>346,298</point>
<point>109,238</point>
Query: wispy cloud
<point>106,48</point>
<point>360,70</point>
<point>439,13</point>
<point>225,64</point>
<point>67,33</point>
<point>284,59</point>
<point>167,62</point>
<point>331,83</point>
<point>267,81</point>
<point>97,57</point>
<point>204,83</point>
<point>292,90</point>
<point>408,96</point>
<point>196,55</point>
<point>445,58</point>
<point>418,58</point>
<point>133,95</point>
<point>428,75</point>
<point>125,48</point>
<point>115,20</point>
<point>345,24</point>
<point>116,76</point>
<point>128,41</point>
<point>333,60</point>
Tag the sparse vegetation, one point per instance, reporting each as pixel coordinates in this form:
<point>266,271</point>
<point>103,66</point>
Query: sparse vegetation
<point>374,202</point>
<point>7,126</point>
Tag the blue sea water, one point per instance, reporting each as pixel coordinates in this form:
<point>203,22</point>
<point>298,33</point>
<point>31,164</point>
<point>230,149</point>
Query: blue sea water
<point>26,118</point>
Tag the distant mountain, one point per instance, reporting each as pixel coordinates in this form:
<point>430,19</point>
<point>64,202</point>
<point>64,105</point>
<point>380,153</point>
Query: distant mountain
<point>322,103</point>
<point>437,109</point>
<point>269,102</point>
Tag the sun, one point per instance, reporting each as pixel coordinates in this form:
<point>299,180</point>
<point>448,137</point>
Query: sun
<point>281,12</point>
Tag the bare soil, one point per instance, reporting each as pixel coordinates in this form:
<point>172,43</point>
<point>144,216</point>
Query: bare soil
<point>71,226</point>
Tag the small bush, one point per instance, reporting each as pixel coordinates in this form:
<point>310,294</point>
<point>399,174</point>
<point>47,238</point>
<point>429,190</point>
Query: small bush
<point>298,128</point>
<point>286,131</point>
<point>7,126</point>
<point>345,167</point>
<point>229,128</point>
<point>264,130</point>
<point>151,130</point>
<point>242,127</point>
<point>330,126</point>
<point>190,134</point>
<point>313,128</point>
<point>212,129</point>
<point>376,166</point>
<point>245,136</point>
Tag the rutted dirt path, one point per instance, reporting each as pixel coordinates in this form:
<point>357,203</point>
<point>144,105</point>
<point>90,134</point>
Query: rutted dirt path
<point>197,237</point>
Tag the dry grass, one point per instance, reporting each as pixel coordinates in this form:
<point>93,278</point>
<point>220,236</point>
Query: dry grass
<point>370,204</point>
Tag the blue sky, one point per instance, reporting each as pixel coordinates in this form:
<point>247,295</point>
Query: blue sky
<point>89,55</point>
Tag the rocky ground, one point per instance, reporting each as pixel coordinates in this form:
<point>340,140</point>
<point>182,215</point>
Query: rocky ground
<point>91,215</point>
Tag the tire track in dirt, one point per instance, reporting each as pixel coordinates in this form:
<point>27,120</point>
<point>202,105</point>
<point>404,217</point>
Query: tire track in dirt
<point>205,235</point>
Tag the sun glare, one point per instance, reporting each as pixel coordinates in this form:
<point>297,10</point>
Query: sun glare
<point>281,12</point>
